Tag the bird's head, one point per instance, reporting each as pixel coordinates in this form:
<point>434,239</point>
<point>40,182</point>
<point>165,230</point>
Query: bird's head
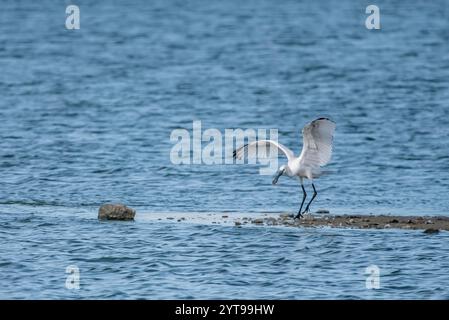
<point>279,173</point>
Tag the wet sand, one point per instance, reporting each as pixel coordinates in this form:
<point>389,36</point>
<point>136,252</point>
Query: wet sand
<point>428,224</point>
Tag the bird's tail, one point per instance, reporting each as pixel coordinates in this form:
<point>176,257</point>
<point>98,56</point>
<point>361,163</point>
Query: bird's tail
<point>322,172</point>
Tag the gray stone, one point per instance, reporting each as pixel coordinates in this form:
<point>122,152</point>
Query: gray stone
<point>116,212</point>
<point>431,230</point>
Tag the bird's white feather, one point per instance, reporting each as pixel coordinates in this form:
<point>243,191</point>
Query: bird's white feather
<point>317,143</point>
<point>251,149</point>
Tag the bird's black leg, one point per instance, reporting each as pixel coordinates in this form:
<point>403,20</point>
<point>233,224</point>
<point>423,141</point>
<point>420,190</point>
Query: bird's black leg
<point>313,197</point>
<point>304,196</point>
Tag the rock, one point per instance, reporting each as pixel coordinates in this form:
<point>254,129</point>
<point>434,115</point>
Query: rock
<point>116,212</point>
<point>170,218</point>
<point>394,221</point>
<point>225,216</point>
<point>257,221</point>
<point>351,220</point>
<point>387,226</point>
<point>323,211</point>
<point>238,223</point>
<point>429,222</point>
<point>431,231</point>
<point>410,221</point>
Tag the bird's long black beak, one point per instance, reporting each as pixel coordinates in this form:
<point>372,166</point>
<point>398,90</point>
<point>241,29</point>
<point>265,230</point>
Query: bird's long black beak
<point>279,173</point>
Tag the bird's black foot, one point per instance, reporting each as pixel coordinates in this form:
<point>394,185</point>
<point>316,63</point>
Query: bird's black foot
<point>298,216</point>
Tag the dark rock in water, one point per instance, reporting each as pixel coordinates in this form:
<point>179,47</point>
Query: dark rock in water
<point>116,212</point>
<point>394,221</point>
<point>322,211</point>
<point>431,230</point>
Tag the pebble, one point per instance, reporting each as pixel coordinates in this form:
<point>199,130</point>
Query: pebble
<point>257,221</point>
<point>431,231</point>
<point>323,211</point>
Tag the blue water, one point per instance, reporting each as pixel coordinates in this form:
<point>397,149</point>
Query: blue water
<point>86,117</point>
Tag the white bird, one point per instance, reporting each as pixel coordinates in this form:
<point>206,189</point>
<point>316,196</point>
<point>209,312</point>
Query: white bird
<point>316,152</point>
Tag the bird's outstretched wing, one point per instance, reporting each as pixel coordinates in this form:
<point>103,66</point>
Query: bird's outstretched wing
<point>251,149</point>
<point>317,143</point>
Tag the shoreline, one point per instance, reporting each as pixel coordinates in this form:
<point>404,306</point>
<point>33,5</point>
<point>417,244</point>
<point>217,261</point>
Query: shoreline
<point>429,224</point>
